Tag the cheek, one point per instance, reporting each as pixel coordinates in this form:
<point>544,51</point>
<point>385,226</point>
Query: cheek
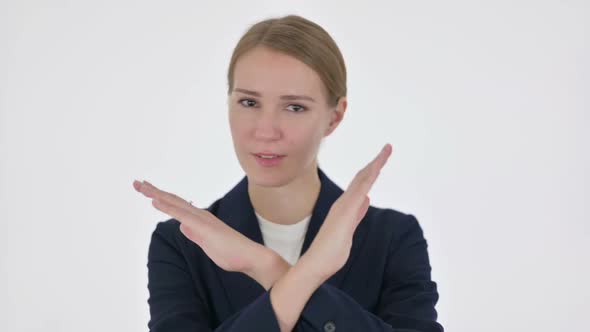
<point>237,126</point>
<point>237,135</point>
<point>306,140</point>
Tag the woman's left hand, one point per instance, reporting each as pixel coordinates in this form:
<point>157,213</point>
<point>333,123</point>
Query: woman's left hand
<point>228,248</point>
<point>331,246</point>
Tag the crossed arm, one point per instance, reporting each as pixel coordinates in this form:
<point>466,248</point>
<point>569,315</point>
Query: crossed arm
<point>291,287</point>
<point>407,299</point>
<point>407,295</point>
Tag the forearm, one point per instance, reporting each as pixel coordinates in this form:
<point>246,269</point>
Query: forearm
<point>291,292</point>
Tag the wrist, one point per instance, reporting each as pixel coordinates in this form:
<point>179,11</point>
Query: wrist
<point>292,291</point>
<point>267,267</point>
<point>315,268</point>
<point>312,269</point>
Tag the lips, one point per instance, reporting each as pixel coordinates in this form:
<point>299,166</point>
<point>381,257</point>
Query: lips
<point>268,159</point>
<point>268,154</point>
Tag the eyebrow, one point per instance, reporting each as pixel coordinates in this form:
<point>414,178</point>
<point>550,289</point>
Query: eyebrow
<point>283,97</point>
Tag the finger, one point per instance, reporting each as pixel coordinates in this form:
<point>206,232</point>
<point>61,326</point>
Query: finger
<point>179,214</point>
<point>382,158</point>
<point>363,209</point>
<point>369,169</point>
<point>152,191</point>
<point>379,161</point>
<point>363,181</point>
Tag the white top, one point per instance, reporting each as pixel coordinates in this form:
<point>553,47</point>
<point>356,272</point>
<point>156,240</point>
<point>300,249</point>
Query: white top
<point>285,240</point>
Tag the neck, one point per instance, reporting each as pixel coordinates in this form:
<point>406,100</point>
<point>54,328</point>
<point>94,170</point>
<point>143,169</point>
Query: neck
<point>290,203</point>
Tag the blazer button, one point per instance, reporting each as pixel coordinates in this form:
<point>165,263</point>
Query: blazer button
<point>329,327</point>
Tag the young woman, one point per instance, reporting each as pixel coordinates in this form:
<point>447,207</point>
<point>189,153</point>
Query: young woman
<point>286,248</point>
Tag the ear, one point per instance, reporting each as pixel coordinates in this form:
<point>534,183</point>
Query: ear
<point>336,115</point>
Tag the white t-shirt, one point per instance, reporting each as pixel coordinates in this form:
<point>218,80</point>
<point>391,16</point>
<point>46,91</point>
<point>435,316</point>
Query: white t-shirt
<point>285,240</point>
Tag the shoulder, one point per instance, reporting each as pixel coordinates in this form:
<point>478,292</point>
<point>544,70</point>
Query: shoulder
<point>390,219</point>
<point>392,225</point>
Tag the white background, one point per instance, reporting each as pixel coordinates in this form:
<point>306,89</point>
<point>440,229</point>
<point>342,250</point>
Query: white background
<point>485,103</point>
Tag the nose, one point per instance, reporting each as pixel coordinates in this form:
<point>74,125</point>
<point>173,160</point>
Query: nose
<point>267,125</point>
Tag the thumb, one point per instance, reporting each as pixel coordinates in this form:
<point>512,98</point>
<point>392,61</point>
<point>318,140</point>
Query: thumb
<point>363,209</point>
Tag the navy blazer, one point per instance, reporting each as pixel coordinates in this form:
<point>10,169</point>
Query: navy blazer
<point>384,286</point>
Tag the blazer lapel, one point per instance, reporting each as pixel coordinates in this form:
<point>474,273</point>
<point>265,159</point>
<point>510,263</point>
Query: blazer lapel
<point>236,210</point>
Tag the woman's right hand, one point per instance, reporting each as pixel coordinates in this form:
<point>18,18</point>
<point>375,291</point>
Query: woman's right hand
<point>228,248</point>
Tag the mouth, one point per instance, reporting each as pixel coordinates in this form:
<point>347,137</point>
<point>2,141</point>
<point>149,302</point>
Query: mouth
<point>268,154</point>
<point>267,159</point>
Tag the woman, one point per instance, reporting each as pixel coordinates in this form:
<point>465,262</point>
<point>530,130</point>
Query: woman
<point>287,249</point>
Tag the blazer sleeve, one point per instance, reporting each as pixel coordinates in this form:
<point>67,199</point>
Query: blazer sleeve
<point>407,299</point>
<point>176,305</point>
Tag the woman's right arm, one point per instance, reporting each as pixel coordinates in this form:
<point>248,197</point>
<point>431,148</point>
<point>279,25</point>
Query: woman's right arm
<point>175,303</point>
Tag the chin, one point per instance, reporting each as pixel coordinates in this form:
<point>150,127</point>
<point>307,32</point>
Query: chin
<point>274,177</point>
<point>265,178</point>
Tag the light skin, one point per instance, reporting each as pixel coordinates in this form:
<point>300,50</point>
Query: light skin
<point>262,119</point>
<point>270,109</point>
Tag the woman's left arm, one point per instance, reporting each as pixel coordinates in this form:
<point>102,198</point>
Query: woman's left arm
<point>329,250</point>
<point>407,297</point>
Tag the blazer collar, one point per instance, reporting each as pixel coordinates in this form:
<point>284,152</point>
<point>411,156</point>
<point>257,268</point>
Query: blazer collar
<point>236,210</point>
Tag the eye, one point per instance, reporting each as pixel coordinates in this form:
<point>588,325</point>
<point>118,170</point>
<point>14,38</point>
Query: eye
<point>298,108</point>
<point>295,108</point>
<point>249,102</point>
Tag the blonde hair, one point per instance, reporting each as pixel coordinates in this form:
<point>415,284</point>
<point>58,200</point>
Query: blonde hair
<point>304,40</point>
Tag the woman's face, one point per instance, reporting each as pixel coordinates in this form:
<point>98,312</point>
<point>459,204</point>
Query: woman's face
<point>278,108</point>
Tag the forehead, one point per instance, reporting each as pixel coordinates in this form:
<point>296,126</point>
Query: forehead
<point>274,73</point>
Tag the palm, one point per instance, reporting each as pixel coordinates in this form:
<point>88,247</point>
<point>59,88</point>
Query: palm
<point>331,246</point>
<point>226,247</point>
